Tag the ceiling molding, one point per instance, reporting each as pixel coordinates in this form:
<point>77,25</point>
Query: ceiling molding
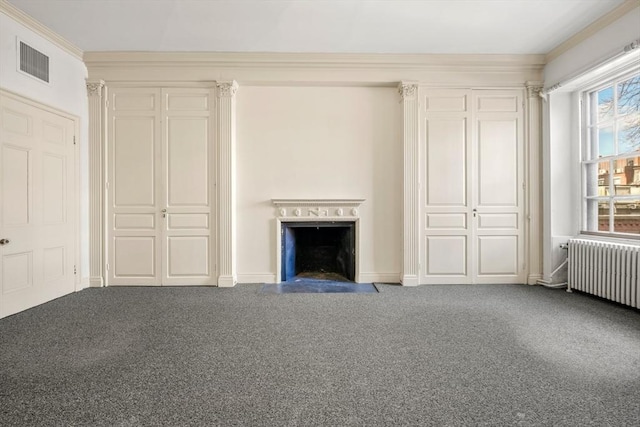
<point>592,29</point>
<point>312,60</point>
<point>41,29</point>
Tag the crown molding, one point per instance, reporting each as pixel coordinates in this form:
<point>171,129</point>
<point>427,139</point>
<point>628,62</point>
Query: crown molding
<point>592,29</point>
<point>310,60</point>
<point>36,26</point>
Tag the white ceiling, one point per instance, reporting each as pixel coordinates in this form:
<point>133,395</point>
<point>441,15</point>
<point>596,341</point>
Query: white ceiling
<point>347,26</point>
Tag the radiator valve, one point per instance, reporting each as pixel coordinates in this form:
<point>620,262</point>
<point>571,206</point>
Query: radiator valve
<point>564,246</point>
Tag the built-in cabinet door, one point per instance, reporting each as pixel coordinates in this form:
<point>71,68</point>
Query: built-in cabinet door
<point>471,187</point>
<point>160,187</point>
<point>37,205</point>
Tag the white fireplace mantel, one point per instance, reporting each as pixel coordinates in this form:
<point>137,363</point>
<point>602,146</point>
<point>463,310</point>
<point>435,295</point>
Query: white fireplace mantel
<point>340,209</point>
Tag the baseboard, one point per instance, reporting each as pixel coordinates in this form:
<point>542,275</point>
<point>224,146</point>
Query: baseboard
<point>533,279</point>
<point>257,278</point>
<point>379,278</point>
<point>227,281</point>
<point>83,284</point>
<point>410,280</point>
<point>96,282</point>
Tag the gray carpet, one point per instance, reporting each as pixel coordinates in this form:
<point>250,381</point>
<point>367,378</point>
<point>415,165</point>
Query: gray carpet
<point>443,356</point>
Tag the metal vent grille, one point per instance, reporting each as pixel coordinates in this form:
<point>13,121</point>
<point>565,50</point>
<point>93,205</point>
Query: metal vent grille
<point>34,62</point>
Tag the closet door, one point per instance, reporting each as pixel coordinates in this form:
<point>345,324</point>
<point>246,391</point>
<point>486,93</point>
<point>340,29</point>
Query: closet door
<point>134,187</point>
<point>161,187</point>
<point>188,177</point>
<point>498,187</point>
<point>446,208</point>
<point>472,187</point>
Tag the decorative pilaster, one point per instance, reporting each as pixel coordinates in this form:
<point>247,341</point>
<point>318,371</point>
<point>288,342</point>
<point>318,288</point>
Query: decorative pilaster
<point>534,196</point>
<point>97,110</point>
<point>411,233</point>
<point>226,132</point>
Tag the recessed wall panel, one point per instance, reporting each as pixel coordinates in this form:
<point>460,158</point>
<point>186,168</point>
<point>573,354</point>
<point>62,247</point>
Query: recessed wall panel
<point>446,255</point>
<point>452,103</point>
<point>447,221</point>
<point>134,102</point>
<point>188,165</point>
<point>53,133</point>
<point>497,255</point>
<point>53,263</point>
<point>134,221</point>
<point>188,221</point>
<point>134,161</point>
<point>497,104</point>
<point>17,272</point>
<point>16,122</point>
<point>188,256</point>
<point>15,186</point>
<point>497,163</point>
<point>135,256</point>
<point>506,221</point>
<point>187,102</point>
<point>53,185</point>
<point>446,155</point>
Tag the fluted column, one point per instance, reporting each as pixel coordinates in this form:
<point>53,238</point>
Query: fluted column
<point>411,233</point>
<point>534,199</point>
<point>226,131</point>
<point>97,109</point>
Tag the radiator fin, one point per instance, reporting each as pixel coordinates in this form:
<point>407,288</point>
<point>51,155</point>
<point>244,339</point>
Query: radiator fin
<point>605,269</point>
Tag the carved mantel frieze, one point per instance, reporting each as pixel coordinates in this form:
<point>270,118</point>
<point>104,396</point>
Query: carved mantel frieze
<point>317,209</point>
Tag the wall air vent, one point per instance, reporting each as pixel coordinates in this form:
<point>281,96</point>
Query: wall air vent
<point>34,62</point>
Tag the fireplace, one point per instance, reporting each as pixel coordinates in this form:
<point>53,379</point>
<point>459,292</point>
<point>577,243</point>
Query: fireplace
<point>317,238</point>
<point>319,250</point>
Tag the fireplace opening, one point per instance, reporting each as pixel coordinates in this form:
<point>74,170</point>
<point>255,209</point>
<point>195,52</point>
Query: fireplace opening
<point>319,250</point>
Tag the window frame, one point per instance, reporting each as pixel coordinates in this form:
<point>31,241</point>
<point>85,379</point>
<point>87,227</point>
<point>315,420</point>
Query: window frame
<point>589,127</point>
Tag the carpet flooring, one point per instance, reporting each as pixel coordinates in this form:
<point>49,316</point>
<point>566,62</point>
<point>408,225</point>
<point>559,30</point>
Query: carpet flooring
<point>431,355</point>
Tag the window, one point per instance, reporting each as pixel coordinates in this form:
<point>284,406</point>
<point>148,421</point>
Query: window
<point>611,156</point>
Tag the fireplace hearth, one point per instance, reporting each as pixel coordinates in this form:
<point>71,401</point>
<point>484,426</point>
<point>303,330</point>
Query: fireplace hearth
<point>318,250</point>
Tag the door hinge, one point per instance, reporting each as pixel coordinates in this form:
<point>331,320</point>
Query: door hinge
<point>74,140</point>
<point>106,185</point>
<point>107,267</point>
<point>75,271</point>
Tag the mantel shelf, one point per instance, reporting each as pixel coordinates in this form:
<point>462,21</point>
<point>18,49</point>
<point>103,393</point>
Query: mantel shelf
<point>287,203</point>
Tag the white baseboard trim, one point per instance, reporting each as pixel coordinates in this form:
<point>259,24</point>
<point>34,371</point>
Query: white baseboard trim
<point>379,277</point>
<point>227,281</point>
<point>96,282</point>
<point>533,279</point>
<point>257,278</point>
<point>410,280</point>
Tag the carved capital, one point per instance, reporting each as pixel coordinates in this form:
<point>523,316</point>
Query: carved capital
<point>227,89</point>
<point>407,90</point>
<point>95,88</point>
<point>533,89</point>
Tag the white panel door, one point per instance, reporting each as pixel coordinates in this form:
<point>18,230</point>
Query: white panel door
<point>446,187</point>
<point>188,190</point>
<point>37,205</point>
<point>498,188</point>
<point>471,187</point>
<point>160,187</point>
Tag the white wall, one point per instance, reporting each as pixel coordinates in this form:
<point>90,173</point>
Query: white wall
<point>319,142</point>
<point>561,174</point>
<point>66,92</point>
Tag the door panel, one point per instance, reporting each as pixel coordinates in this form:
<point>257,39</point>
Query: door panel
<point>162,183</point>
<point>37,205</point>
<point>472,187</point>
<point>446,189</point>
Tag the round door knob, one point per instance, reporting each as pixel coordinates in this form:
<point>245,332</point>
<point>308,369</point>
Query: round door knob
<point>4,241</point>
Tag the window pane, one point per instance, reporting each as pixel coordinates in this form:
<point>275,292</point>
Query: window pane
<point>629,96</point>
<point>592,216</point>
<point>627,216</point>
<point>605,104</point>
<point>603,216</point>
<point>603,180</point>
<point>605,141</point>
<point>629,133</point>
